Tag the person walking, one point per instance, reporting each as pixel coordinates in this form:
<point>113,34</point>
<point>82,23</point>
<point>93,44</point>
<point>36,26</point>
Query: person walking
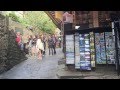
<point>44,42</point>
<point>26,48</point>
<point>22,46</point>
<point>50,45</point>
<point>34,46</point>
<point>18,39</point>
<point>30,45</point>
<point>54,43</point>
<point>60,42</point>
<point>39,47</point>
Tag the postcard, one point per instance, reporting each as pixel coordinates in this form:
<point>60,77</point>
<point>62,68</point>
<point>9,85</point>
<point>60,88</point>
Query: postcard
<point>82,42</point>
<point>87,45</point>
<point>86,42</point>
<point>87,53</point>
<point>82,49</point>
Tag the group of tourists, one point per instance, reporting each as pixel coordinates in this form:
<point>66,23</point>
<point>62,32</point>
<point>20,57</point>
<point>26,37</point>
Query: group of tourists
<point>37,44</point>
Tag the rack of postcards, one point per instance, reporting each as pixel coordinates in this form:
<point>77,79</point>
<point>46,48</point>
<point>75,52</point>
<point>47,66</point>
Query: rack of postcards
<point>85,49</point>
<point>69,49</point>
<point>105,48</point>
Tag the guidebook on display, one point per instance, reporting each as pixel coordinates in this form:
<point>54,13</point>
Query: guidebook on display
<point>69,49</point>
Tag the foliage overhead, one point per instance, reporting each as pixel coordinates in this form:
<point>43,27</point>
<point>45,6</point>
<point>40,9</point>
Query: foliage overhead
<point>14,17</point>
<point>39,20</point>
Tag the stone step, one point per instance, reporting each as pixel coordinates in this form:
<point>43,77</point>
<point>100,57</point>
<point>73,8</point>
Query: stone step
<point>64,72</point>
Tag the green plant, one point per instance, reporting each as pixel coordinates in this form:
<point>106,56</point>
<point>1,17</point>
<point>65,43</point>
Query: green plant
<point>14,17</point>
<point>39,20</point>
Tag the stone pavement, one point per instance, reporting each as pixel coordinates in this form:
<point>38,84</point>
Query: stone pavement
<point>53,67</point>
<point>100,73</point>
<point>35,69</point>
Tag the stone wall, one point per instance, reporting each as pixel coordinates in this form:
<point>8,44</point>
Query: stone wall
<point>10,53</point>
<point>3,43</point>
<point>26,32</point>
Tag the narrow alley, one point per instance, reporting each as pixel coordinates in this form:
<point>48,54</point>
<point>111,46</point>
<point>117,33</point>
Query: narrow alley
<point>35,69</point>
<point>87,44</point>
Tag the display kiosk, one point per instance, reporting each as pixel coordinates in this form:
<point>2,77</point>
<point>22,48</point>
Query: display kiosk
<point>91,47</point>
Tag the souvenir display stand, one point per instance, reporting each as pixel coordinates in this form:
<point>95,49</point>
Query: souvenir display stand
<point>88,48</point>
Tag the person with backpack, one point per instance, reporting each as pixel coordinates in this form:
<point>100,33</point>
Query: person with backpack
<point>50,45</point>
<point>54,43</point>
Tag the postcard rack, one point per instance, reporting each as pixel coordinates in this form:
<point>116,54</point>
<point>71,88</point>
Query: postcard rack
<point>87,48</point>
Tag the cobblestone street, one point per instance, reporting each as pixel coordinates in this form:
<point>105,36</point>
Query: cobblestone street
<point>35,69</point>
<point>50,68</point>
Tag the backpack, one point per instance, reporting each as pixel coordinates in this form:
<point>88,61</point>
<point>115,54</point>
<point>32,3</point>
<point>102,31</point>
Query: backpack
<point>51,42</point>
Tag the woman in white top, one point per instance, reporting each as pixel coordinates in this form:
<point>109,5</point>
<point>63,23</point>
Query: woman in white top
<point>39,47</point>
